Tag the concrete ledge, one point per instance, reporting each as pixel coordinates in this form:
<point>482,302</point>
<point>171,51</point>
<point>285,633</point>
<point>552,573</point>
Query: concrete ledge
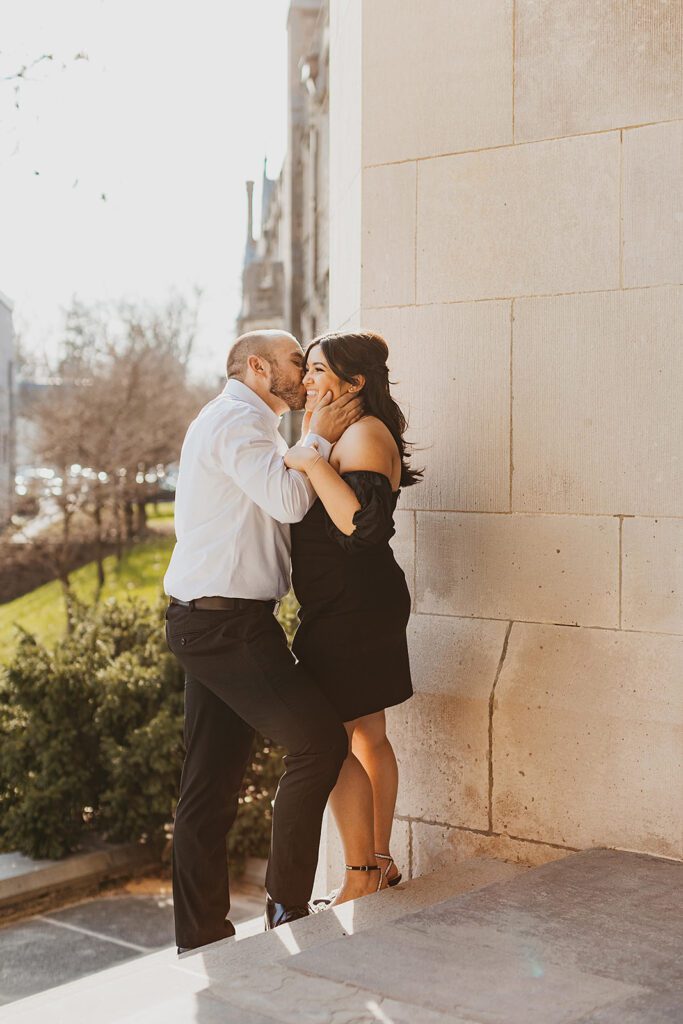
<point>28,881</point>
<point>250,949</point>
<point>349,918</point>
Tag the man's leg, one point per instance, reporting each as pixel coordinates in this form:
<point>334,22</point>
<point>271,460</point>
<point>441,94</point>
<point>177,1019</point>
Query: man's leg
<point>244,660</point>
<point>218,744</point>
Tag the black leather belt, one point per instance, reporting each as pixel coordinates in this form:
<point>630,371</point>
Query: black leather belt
<point>225,603</point>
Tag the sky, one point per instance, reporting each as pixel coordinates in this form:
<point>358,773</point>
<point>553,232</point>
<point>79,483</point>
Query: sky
<point>122,171</point>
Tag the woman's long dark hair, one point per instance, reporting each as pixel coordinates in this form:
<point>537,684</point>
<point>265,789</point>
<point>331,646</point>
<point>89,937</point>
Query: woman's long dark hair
<point>365,352</point>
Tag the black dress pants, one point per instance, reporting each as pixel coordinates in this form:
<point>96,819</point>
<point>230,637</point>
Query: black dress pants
<point>241,677</point>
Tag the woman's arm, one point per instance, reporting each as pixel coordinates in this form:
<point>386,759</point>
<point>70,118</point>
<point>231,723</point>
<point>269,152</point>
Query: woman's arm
<point>336,495</point>
<point>361,448</point>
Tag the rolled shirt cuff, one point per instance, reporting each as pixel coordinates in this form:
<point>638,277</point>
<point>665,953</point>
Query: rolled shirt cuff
<point>323,445</point>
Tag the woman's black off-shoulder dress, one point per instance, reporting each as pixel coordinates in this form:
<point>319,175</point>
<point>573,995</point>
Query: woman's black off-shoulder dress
<point>354,601</point>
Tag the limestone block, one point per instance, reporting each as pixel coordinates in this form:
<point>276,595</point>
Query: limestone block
<point>652,575</point>
<point>351,324</point>
<point>562,569</point>
<point>603,432</point>
<point>588,739</point>
<point>403,545</point>
<point>440,735</point>
<point>522,220</point>
<point>345,92</point>
<point>330,857</point>
<point>400,846</point>
<point>452,368</point>
<point>436,81</point>
<point>439,846</point>
<point>345,255</point>
<point>441,746</point>
<point>455,657</point>
<point>388,237</point>
<point>653,205</point>
<point>345,160</point>
<point>588,65</point>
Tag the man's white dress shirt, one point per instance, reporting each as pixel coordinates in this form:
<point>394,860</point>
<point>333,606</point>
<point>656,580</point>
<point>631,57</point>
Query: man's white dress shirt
<point>234,501</point>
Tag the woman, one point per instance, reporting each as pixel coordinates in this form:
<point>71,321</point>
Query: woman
<point>354,600</point>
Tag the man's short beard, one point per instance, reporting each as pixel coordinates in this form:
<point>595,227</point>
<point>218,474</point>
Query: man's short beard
<point>291,393</point>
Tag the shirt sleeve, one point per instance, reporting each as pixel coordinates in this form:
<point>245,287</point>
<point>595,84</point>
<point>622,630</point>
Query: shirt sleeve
<point>321,443</point>
<point>250,455</point>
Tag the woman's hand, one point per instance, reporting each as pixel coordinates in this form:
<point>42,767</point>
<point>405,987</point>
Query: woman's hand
<point>301,458</point>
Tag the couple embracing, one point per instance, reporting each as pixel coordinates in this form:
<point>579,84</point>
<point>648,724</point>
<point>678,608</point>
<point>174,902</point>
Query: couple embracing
<point>250,514</point>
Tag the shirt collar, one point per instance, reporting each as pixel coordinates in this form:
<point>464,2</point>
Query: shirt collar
<point>236,389</point>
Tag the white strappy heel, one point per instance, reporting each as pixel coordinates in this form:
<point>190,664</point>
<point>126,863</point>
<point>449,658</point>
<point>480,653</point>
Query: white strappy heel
<point>390,881</point>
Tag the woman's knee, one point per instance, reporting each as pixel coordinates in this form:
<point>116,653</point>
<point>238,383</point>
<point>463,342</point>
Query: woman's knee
<point>371,731</point>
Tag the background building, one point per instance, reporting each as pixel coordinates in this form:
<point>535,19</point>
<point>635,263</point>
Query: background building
<point>7,414</point>
<point>286,269</point>
<point>506,207</point>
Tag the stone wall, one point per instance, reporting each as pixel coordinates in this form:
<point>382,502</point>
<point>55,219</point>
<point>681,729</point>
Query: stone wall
<point>506,208</point>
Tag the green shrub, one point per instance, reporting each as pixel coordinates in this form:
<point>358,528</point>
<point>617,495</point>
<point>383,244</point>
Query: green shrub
<point>91,739</point>
<point>49,764</point>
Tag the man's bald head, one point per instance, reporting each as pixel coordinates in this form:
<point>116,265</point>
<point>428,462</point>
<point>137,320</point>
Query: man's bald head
<point>266,345</point>
<point>271,363</point>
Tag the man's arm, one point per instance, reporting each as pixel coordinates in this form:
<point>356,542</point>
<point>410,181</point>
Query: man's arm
<point>250,456</point>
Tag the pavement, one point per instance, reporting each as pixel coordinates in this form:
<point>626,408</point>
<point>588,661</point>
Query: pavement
<point>53,948</point>
<point>57,924</point>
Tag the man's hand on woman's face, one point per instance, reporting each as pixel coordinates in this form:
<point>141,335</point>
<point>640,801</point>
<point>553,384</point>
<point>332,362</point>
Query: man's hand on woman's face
<point>331,418</point>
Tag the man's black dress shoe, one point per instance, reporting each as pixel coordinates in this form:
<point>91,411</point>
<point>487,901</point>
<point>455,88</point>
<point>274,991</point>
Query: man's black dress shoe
<point>279,913</point>
<point>229,932</point>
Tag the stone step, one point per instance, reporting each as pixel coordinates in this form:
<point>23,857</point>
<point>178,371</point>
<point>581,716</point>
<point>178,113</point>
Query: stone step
<point>594,938</point>
<point>138,990</point>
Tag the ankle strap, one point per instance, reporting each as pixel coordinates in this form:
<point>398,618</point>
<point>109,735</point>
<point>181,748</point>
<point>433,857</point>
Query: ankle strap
<point>361,867</point>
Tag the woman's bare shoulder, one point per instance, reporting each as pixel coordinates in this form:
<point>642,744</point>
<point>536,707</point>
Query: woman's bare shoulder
<point>367,444</point>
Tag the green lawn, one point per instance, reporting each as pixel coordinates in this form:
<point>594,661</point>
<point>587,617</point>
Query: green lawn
<point>41,612</point>
<point>162,510</point>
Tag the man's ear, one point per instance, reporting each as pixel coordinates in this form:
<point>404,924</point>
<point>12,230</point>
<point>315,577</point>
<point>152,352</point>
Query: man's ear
<point>358,383</point>
<point>257,365</point>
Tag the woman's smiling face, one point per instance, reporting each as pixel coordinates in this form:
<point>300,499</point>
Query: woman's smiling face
<point>319,379</point>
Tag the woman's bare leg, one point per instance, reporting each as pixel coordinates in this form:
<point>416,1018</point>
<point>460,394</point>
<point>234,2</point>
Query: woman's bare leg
<point>352,805</point>
<point>371,746</point>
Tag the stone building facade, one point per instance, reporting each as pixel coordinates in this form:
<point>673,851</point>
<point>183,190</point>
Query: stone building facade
<point>286,269</point>
<point>7,410</point>
<point>506,208</point>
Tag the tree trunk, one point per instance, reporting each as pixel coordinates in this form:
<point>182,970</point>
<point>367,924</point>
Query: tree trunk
<point>142,517</point>
<point>128,521</point>
<point>99,552</point>
<point>119,531</point>
<point>63,565</point>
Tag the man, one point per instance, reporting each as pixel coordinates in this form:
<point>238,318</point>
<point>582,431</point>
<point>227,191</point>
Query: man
<point>234,501</point>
